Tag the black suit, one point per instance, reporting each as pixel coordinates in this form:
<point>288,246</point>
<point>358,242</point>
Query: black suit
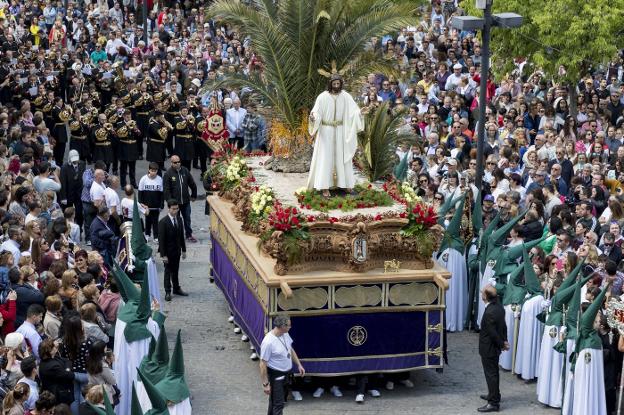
<point>171,245</point>
<point>71,188</point>
<point>492,338</point>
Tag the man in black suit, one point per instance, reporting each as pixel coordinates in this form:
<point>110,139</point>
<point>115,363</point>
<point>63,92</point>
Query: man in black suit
<point>492,340</point>
<point>171,246</point>
<point>71,185</point>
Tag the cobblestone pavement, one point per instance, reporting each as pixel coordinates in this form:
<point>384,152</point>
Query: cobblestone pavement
<point>224,381</point>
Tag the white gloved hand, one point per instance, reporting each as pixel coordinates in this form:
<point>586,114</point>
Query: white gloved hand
<point>492,282</point>
<point>546,303</point>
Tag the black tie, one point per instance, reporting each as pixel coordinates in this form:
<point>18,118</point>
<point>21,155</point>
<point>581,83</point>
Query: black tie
<point>175,223</point>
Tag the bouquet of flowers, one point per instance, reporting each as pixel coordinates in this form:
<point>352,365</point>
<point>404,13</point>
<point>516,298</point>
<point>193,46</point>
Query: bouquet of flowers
<point>409,195</point>
<point>293,227</point>
<point>421,217</point>
<point>261,203</point>
<point>234,172</point>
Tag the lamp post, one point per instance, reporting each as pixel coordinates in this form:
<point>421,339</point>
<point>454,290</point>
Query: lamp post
<point>470,23</point>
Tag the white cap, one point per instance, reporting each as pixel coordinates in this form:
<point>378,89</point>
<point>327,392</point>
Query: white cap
<point>13,340</point>
<point>74,156</point>
<point>196,82</point>
<point>457,66</point>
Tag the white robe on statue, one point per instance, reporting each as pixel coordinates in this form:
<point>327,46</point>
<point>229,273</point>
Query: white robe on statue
<point>506,356</point>
<point>457,293</point>
<point>568,396</point>
<point>128,357</point>
<point>483,281</point>
<point>589,391</point>
<point>337,120</point>
<point>529,339</point>
<point>549,381</point>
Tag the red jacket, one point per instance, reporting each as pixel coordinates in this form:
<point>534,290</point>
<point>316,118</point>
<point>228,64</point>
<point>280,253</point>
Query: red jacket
<point>8,311</point>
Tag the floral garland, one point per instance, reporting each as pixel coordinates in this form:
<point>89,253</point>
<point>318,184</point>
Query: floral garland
<point>366,197</point>
<point>293,226</point>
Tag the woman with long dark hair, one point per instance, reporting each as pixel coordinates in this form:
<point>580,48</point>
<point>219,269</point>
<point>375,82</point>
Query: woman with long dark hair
<point>75,347</point>
<point>99,371</point>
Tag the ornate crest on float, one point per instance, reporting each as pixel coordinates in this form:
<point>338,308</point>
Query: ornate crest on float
<point>357,336</point>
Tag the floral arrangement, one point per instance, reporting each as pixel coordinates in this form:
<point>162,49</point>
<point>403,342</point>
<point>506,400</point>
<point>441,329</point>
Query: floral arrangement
<point>261,203</point>
<point>409,194</point>
<point>366,197</point>
<point>235,171</point>
<point>421,217</point>
<point>293,227</point>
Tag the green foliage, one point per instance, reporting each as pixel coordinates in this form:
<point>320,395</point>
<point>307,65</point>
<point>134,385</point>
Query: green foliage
<point>569,33</point>
<point>294,38</point>
<point>379,140</point>
<point>366,197</point>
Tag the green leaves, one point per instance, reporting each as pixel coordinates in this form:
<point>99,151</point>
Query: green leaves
<point>569,33</point>
<point>378,142</point>
<point>294,38</point>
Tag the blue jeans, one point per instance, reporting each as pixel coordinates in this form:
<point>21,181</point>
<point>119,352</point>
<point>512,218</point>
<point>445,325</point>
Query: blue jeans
<point>185,211</point>
<point>80,379</point>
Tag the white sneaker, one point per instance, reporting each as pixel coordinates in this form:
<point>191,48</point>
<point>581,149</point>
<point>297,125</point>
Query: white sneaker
<point>297,395</point>
<point>407,383</point>
<point>359,398</point>
<point>251,347</point>
<point>244,338</point>
<point>318,393</point>
<point>389,385</point>
<point>155,240</point>
<point>254,356</point>
<point>88,243</point>
<point>374,393</point>
<point>237,330</point>
<point>335,390</point>
<point>231,319</point>
<point>147,238</point>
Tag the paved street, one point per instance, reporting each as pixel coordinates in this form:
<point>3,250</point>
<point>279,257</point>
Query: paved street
<point>224,381</point>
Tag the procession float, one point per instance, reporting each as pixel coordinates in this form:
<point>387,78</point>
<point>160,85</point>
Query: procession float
<point>353,269</point>
<point>354,273</point>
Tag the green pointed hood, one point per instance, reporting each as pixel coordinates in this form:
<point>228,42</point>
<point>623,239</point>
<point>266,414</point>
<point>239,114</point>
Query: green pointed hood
<point>108,408</point>
<point>508,256</point>
<point>451,238</point>
<point>158,401</point>
<point>531,281</point>
<point>173,387</point>
<point>155,365</point>
<point>477,215</point>
<point>515,291</point>
<point>588,337</point>
<point>449,202</point>
<point>127,289</point>
<point>571,279</point>
<point>516,251</point>
<point>400,170</point>
<point>484,238</point>
<point>573,309</point>
<point>140,249</point>
<point>135,405</point>
<point>136,326</point>
<point>498,237</point>
<point>560,299</point>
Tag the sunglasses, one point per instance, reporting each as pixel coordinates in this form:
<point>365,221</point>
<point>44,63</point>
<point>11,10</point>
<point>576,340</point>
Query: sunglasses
<point>438,198</point>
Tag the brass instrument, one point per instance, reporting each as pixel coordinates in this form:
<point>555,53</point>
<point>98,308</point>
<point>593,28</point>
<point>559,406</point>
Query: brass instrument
<point>120,78</point>
<point>74,125</point>
<point>181,125</point>
<point>108,126</point>
<point>190,119</point>
<point>158,96</point>
<point>162,132</point>
<point>126,234</point>
<point>101,133</point>
<point>66,113</point>
<point>38,101</point>
<point>48,107</point>
<point>122,131</point>
<point>132,124</point>
<point>201,126</point>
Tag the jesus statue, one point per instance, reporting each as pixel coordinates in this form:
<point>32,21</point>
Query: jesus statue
<point>335,121</point>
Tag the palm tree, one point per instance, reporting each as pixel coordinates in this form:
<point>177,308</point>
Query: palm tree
<point>296,38</point>
<point>378,142</point>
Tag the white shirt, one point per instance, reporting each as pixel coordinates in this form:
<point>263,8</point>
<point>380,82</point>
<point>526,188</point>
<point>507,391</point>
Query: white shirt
<point>277,351</point>
<point>112,199</point>
<point>97,192</point>
<point>30,333</point>
<point>127,207</point>
<point>13,247</point>
<point>233,120</point>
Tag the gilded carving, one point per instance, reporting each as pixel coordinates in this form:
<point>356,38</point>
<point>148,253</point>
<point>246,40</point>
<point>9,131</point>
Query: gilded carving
<point>303,299</point>
<point>414,293</point>
<point>358,296</point>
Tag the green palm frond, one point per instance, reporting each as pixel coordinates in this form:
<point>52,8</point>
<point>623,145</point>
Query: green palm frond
<point>294,38</point>
<point>379,140</point>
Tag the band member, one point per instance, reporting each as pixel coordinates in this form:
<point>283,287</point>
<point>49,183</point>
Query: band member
<point>127,132</point>
<point>102,136</point>
<point>159,130</point>
<point>60,115</point>
<point>116,115</point>
<point>172,111</point>
<point>79,133</point>
<point>184,136</point>
<point>143,105</point>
